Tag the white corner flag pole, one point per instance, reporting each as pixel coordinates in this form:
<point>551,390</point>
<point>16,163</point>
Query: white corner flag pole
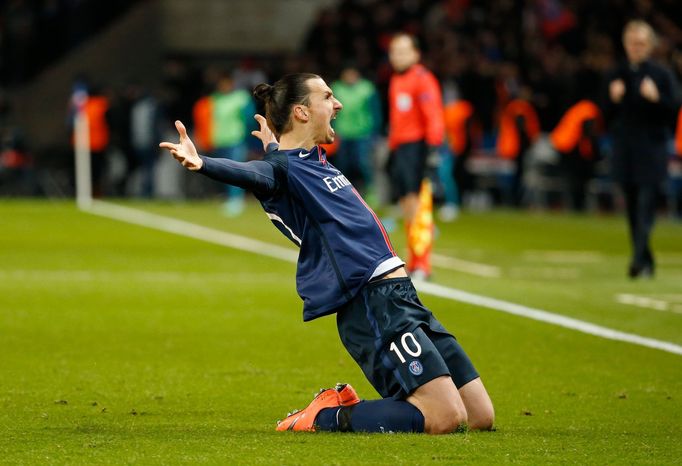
<point>82,152</point>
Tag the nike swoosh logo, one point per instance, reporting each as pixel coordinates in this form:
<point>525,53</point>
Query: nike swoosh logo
<point>291,427</point>
<point>303,155</point>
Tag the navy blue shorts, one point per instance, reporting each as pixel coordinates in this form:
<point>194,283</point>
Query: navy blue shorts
<point>407,168</point>
<point>397,342</point>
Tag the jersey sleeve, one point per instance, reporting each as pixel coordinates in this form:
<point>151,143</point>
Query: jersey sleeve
<point>257,176</point>
<point>430,103</point>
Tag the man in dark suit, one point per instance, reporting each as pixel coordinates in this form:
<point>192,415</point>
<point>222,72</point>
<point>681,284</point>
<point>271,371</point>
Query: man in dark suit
<point>641,103</point>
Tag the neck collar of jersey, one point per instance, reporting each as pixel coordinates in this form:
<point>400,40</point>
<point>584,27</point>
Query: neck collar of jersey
<point>315,153</point>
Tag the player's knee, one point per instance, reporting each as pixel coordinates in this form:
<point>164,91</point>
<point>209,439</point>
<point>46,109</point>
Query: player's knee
<point>445,420</point>
<point>483,420</point>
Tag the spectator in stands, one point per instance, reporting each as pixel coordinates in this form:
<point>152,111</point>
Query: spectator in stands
<point>146,127</point>
<point>16,167</point>
<point>642,101</point>
<point>95,106</point>
<point>461,130</point>
<point>221,121</point>
<point>576,140</point>
<point>519,128</point>
<point>248,74</point>
<point>356,127</point>
<point>416,132</point>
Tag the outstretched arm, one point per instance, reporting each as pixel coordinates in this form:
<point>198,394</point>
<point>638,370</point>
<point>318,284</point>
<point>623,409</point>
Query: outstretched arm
<point>257,176</point>
<point>184,151</point>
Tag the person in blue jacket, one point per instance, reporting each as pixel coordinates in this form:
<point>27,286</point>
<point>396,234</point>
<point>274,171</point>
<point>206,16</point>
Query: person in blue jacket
<point>348,267</point>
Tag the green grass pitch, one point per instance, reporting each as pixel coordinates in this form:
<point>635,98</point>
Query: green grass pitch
<point>125,345</point>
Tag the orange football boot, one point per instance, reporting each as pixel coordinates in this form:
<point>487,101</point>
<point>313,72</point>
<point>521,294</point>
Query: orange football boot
<point>347,394</point>
<point>304,420</point>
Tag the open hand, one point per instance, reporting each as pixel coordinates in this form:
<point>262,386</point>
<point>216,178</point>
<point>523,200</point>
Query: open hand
<point>184,151</point>
<point>265,134</point>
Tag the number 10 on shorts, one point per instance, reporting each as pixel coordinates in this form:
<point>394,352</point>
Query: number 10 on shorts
<point>414,349</point>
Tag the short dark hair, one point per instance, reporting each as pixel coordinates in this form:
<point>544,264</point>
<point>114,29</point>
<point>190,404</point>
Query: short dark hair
<point>280,97</point>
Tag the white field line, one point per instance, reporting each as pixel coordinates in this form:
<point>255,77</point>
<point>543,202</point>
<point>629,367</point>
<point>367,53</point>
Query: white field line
<point>564,257</point>
<point>192,230</point>
<point>649,303</point>
<point>473,268</point>
<point>544,273</point>
<point>544,316</point>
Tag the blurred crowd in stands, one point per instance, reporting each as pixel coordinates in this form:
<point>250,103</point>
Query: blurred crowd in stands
<point>510,71</point>
<point>35,33</point>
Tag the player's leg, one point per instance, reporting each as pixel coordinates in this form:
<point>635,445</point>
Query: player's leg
<point>441,405</point>
<point>384,331</point>
<point>408,207</point>
<point>384,415</point>
<point>646,212</point>
<point>411,168</point>
<point>410,171</point>
<point>362,336</point>
<point>630,195</point>
<point>479,407</point>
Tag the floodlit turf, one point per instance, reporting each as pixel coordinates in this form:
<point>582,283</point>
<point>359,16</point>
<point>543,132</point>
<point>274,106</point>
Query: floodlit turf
<point>122,344</point>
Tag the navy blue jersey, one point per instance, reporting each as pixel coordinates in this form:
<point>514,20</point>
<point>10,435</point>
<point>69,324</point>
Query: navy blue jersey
<point>342,242</point>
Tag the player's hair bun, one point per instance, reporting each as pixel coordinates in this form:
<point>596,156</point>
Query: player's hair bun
<point>263,92</point>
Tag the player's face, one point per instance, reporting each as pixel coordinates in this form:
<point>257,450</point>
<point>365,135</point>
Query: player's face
<point>402,54</point>
<point>638,44</point>
<point>322,107</point>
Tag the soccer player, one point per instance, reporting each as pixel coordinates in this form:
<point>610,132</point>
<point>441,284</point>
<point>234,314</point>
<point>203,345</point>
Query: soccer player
<point>348,267</point>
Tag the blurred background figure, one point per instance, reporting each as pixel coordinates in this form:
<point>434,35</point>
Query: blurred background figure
<point>641,105</point>
<point>462,133</point>
<point>16,164</point>
<point>676,169</point>
<point>222,121</point>
<point>95,108</point>
<point>146,128</point>
<point>576,140</point>
<point>519,129</point>
<point>549,54</point>
<point>356,127</point>
<point>248,75</point>
<point>416,132</point>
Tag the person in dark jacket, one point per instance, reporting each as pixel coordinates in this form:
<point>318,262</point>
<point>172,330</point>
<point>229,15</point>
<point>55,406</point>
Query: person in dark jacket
<point>348,267</point>
<point>640,106</point>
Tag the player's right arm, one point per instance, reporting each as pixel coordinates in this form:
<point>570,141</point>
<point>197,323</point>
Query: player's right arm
<point>257,176</point>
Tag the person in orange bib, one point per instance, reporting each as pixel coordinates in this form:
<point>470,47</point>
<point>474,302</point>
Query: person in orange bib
<point>575,138</point>
<point>519,129</point>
